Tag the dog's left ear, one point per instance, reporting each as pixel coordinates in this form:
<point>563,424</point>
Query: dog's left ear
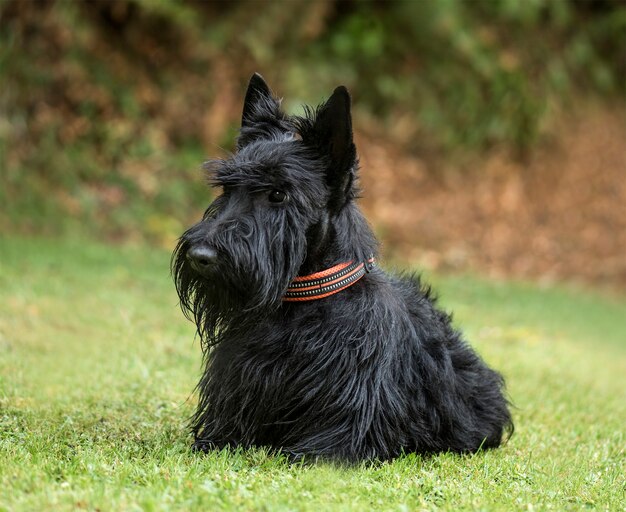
<point>333,127</point>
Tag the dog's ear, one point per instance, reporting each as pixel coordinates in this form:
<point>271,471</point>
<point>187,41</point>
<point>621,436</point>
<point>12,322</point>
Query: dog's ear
<point>258,96</point>
<point>333,128</point>
<point>261,113</point>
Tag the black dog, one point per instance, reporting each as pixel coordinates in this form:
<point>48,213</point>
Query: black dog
<point>309,346</point>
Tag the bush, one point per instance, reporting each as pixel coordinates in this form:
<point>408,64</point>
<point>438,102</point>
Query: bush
<point>107,108</point>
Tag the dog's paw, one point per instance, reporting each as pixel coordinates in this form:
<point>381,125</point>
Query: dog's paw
<point>204,445</point>
<point>292,456</point>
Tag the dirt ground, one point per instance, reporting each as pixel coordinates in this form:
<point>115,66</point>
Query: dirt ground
<point>559,215</point>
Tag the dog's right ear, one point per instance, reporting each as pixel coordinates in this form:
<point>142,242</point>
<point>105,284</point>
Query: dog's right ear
<point>261,113</point>
<point>258,96</point>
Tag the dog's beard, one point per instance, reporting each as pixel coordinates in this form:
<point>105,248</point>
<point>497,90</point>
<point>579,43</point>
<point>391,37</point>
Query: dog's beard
<point>238,290</point>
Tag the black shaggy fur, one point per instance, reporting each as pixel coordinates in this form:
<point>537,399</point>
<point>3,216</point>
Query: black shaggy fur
<point>368,373</point>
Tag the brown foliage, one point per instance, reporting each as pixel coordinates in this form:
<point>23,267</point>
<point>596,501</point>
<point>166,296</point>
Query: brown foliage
<point>559,215</point>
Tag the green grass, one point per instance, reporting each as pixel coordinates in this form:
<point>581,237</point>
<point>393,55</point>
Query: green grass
<point>97,365</point>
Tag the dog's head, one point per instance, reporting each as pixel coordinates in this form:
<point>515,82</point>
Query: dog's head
<point>282,193</point>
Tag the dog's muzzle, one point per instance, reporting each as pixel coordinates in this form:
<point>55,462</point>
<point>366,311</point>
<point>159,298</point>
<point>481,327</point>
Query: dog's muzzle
<point>202,259</point>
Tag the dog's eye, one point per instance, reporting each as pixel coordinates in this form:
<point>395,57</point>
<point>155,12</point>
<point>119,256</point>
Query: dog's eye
<point>277,196</point>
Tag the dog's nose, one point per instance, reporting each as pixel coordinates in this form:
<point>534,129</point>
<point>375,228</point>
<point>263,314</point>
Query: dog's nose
<point>201,258</point>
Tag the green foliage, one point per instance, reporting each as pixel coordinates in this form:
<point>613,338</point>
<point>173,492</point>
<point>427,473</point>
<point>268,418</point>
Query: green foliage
<point>108,108</point>
<point>97,364</point>
<point>477,73</point>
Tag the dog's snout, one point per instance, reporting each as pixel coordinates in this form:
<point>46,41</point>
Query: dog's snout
<point>201,258</point>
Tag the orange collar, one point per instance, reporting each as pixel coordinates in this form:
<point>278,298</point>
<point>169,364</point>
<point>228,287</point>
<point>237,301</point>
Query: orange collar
<point>327,282</point>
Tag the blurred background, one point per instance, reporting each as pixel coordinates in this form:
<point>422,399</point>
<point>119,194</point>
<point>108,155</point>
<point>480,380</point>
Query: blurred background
<point>492,133</point>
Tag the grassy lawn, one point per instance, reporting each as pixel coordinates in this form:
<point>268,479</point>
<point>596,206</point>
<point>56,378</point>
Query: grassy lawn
<point>97,364</point>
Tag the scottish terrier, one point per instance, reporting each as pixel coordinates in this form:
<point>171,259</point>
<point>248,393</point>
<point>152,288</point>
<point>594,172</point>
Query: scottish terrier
<point>309,346</point>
